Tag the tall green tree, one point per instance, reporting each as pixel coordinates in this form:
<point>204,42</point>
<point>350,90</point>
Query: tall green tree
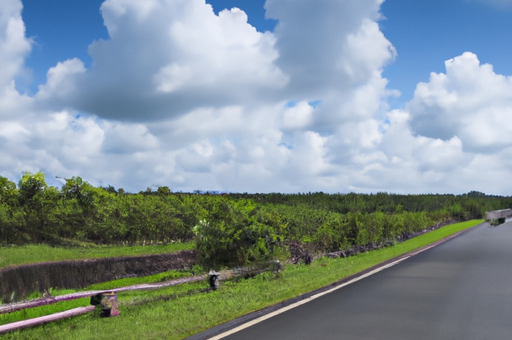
<point>37,200</point>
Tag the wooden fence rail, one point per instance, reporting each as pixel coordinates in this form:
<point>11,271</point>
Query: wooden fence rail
<point>13,307</point>
<point>44,319</point>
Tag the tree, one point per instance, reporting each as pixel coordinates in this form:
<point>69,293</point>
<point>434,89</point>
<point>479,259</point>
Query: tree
<point>76,188</point>
<point>30,185</point>
<point>8,191</point>
<point>233,234</point>
<point>36,200</point>
<point>163,191</point>
<point>11,219</point>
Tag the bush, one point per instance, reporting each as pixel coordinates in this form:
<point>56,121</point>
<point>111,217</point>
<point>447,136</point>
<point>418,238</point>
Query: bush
<point>237,233</point>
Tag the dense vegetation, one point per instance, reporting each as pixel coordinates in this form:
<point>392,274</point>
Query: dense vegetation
<point>180,311</point>
<point>229,229</point>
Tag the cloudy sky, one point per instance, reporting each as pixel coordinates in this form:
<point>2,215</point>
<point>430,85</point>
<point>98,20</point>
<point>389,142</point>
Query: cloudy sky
<point>259,96</point>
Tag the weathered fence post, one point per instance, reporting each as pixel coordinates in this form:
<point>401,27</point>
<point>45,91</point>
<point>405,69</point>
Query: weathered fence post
<point>109,305</point>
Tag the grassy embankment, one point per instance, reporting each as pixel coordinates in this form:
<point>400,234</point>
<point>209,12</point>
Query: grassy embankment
<point>17,255</point>
<point>176,312</point>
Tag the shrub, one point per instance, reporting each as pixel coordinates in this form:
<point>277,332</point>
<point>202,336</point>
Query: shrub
<point>237,233</point>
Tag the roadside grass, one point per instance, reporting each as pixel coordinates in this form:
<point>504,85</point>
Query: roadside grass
<point>130,281</point>
<point>42,310</point>
<point>17,255</point>
<point>127,297</point>
<point>166,276</point>
<point>180,311</point>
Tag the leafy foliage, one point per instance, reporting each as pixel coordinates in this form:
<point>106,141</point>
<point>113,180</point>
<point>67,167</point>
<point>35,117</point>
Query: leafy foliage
<point>229,229</point>
<point>236,233</point>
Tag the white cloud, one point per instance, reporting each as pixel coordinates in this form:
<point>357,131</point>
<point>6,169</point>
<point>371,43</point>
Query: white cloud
<point>165,58</point>
<point>469,101</point>
<point>324,44</point>
<point>61,82</point>
<point>127,138</point>
<point>297,116</point>
<point>220,50</point>
<point>367,51</point>
<point>169,57</point>
<point>13,44</point>
<point>14,47</point>
<point>14,132</point>
<point>182,97</point>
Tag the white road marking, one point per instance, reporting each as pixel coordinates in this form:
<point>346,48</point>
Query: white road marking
<point>299,303</point>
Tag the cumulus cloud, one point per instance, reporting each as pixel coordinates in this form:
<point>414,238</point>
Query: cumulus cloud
<point>182,97</point>
<point>13,44</point>
<point>328,44</point>
<point>61,84</point>
<point>469,101</point>
<point>167,57</point>
<point>14,47</point>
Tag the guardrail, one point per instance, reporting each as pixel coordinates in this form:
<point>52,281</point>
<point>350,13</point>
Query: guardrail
<point>13,307</point>
<point>76,311</point>
<point>498,214</point>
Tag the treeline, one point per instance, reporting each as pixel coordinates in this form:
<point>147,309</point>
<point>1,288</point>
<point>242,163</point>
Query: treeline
<point>34,212</point>
<point>229,229</point>
<point>472,204</point>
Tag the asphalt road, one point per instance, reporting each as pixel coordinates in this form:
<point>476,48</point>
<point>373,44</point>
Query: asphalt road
<point>461,289</point>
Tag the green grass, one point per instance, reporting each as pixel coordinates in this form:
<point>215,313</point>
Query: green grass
<point>42,310</point>
<point>177,312</point>
<point>16,255</point>
<point>130,281</point>
<point>167,276</point>
<point>128,297</point>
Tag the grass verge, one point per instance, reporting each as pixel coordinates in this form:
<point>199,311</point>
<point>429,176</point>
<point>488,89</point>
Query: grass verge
<point>130,297</point>
<point>17,255</point>
<point>177,312</point>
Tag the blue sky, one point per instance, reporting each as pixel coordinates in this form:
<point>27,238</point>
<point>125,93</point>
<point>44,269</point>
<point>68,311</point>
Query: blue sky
<point>171,92</point>
<point>428,32</point>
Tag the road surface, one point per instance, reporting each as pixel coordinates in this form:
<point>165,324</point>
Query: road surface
<point>461,289</point>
